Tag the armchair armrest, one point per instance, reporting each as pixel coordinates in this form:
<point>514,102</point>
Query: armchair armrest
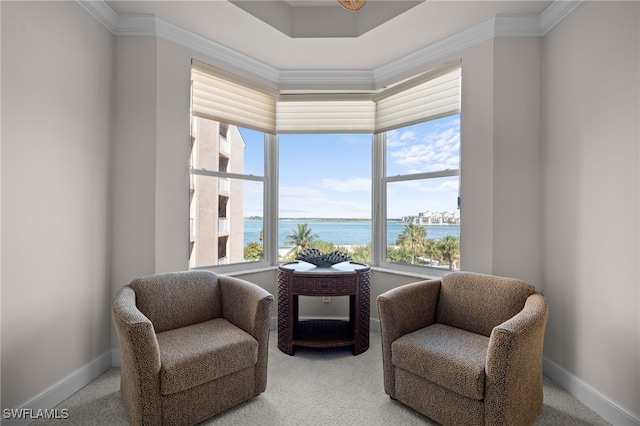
<point>248,306</point>
<point>514,365</point>
<point>403,310</point>
<point>139,356</point>
<point>408,308</point>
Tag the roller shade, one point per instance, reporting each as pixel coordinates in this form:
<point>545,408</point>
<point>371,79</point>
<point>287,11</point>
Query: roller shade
<point>224,97</point>
<point>429,96</point>
<point>325,113</point>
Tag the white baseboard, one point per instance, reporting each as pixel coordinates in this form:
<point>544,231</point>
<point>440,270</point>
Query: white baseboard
<point>115,357</point>
<point>592,398</point>
<point>596,401</point>
<point>374,325</point>
<point>54,395</point>
<point>42,404</point>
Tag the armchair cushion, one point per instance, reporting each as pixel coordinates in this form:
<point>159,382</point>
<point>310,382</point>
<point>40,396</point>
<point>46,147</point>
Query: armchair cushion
<point>478,302</point>
<point>448,356</point>
<point>172,300</point>
<point>203,352</point>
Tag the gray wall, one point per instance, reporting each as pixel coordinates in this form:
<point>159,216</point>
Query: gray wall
<point>536,176</point>
<point>517,217</point>
<point>591,191</point>
<point>57,121</point>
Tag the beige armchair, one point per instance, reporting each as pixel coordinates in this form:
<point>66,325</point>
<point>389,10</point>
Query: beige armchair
<point>192,344</point>
<point>465,349</point>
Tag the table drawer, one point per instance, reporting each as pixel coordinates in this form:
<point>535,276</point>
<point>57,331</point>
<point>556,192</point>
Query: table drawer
<point>312,285</point>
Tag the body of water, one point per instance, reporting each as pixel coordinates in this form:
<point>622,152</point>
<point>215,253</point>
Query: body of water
<point>342,233</point>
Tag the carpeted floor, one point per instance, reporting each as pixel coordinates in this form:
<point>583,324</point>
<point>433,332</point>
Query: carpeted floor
<point>316,387</point>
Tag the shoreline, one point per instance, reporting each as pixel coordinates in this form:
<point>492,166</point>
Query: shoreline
<point>356,232</point>
<point>330,219</point>
<point>320,219</point>
<point>350,248</point>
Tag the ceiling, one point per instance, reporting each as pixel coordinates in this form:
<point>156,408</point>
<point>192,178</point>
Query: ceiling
<point>327,19</point>
<point>272,32</point>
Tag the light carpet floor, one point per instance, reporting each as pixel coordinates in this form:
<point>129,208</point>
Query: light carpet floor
<point>316,387</point>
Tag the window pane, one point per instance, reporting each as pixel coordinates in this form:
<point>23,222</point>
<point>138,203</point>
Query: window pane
<point>226,214</point>
<point>325,191</point>
<point>226,148</point>
<point>226,221</point>
<point>424,147</point>
<point>253,151</point>
<point>423,225</point>
<point>253,215</point>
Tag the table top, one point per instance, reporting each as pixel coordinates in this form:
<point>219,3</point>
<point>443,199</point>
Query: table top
<point>342,267</point>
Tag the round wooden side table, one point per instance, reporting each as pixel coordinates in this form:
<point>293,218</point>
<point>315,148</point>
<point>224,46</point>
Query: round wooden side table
<point>304,279</point>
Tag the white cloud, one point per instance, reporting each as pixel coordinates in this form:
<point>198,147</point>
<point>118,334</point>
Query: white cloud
<point>298,192</point>
<point>311,202</point>
<point>354,138</point>
<point>449,186</point>
<point>435,151</point>
<point>354,184</point>
<point>400,137</point>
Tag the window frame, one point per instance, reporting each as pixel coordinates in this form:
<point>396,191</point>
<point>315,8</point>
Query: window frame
<point>379,182</point>
<point>269,202</point>
<point>277,212</point>
<point>379,208</point>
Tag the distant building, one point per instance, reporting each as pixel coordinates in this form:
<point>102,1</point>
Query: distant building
<point>432,218</point>
<point>216,218</point>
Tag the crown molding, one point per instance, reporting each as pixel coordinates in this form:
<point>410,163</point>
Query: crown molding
<point>289,80</point>
<point>225,58</point>
<point>132,25</point>
<point>101,12</point>
<point>415,62</point>
<point>556,12</point>
<point>146,25</point>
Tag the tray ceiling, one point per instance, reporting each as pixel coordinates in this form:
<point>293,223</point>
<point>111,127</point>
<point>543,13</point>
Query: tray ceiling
<point>390,37</point>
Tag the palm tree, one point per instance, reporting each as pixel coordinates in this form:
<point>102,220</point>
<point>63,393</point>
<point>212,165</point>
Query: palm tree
<point>431,250</point>
<point>300,239</point>
<point>449,247</point>
<point>412,238</point>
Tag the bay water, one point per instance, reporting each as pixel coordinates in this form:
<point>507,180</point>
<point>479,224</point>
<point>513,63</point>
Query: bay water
<point>342,232</point>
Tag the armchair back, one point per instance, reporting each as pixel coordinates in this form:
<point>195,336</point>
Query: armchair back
<point>478,302</point>
<point>178,299</point>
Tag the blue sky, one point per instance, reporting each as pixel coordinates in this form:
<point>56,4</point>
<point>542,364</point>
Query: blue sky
<point>329,175</point>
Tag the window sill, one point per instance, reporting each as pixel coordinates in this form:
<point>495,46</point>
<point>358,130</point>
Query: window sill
<point>418,272</point>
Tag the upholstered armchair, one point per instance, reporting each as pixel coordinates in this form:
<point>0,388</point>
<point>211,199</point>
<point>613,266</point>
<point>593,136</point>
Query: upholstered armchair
<point>192,344</point>
<point>465,349</point>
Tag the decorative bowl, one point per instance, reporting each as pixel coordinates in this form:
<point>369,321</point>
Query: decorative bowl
<point>322,260</point>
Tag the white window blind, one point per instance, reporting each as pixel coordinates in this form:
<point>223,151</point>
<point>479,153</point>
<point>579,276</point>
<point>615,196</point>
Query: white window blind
<point>227,98</point>
<point>319,113</point>
<point>428,96</point>
<point>224,97</point>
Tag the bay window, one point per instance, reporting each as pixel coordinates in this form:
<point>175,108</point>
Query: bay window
<point>285,163</point>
